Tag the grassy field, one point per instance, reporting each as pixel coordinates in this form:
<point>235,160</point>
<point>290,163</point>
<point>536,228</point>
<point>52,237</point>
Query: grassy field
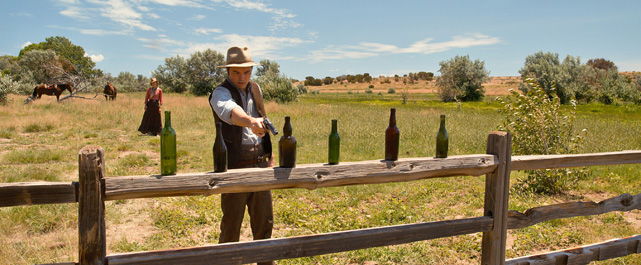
<point>40,142</point>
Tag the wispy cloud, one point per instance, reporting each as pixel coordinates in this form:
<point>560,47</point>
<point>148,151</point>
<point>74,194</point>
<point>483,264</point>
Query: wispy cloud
<point>25,44</point>
<point>426,46</point>
<point>206,31</point>
<point>161,43</point>
<point>261,46</point>
<point>197,17</point>
<point>282,18</point>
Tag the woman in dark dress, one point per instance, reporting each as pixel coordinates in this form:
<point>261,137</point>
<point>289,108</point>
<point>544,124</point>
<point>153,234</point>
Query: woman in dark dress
<point>151,123</point>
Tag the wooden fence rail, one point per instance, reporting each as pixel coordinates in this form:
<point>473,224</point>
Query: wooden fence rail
<point>93,190</point>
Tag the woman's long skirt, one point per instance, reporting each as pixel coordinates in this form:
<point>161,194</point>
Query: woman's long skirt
<point>151,123</point>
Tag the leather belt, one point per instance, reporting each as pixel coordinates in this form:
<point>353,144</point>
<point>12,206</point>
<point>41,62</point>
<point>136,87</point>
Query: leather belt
<point>260,159</point>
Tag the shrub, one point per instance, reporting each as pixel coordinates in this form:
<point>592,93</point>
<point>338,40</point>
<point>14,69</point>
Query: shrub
<point>302,89</point>
<point>391,90</point>
<point>350,92</point>
<point>539,128</point>
<point>462,78</point>
<point>368,91</point>
<point>371,86</point>
<point>277,87</point>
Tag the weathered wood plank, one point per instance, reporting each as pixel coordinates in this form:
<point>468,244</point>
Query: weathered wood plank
<point>623,203</point>
<point>497,184</point>
<point>31,193</point>
<point>585,254</point>
<point>305,246</point>
<point>309,176</point>
<point>575,160</point>
<point>92,236</point>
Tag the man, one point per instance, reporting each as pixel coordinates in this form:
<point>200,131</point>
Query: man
<point>238,104</point>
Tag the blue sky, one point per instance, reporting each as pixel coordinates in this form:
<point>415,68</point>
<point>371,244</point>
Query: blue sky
<point>331,38</point>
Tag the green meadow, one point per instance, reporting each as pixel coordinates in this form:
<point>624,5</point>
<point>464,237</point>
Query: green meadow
<point>40,142</point>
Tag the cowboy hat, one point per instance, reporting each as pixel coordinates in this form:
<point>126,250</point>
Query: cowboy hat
<point>238,57</point>
<point>153,80</point>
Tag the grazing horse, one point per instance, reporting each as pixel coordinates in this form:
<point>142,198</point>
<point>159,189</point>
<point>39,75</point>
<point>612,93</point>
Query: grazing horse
<point>55,89</point>
<point>110,91</point>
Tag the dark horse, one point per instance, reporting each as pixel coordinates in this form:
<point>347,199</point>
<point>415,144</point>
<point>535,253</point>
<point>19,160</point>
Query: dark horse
<point>55,89</point>
<point>110,91</point>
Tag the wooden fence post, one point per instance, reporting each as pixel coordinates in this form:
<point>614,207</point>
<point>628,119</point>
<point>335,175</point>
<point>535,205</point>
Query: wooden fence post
<point>92,238</point>
<point>497,186</point>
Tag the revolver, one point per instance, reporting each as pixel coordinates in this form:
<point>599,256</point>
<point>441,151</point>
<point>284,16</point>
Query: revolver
<point>269,126</point>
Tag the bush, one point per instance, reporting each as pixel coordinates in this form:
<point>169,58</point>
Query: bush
<point>391,90</point>
<point>368,91</point>
<point>539,128</point>
<point>277,87</point>
<point>302,89</point>
<point>371,86</point>
<point>350,92</point>
<point>7,86</point>
<point>462,79</point>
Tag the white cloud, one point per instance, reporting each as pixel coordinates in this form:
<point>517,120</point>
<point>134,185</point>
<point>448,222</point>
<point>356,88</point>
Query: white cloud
<point>426,46</point>
<point>96,57</point>
<point>260,46</point>
<point>197,17</point>
<point>282,17</point>
<point>25,44</point>
<point>161,42</point>
<point>206,31</point>
<point>102,32</point>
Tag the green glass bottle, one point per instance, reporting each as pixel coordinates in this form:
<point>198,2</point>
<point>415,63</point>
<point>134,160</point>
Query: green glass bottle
<point>220,150</point>
<point>392,135</point>
<point>334,144</point>
<point>287,146</point>
<point>442,140</point>
<point>167,147</point>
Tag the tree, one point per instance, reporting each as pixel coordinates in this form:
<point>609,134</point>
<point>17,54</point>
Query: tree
<point>202,74</point>
<point>172,75</point>
<point>462,78</point>
<point>38,66</point>
<point>71,57</point>
<point>328,80</point>
<point>564,79</point>
<point>602,64</point>
<point>266,67</point>
<point>126,81</point>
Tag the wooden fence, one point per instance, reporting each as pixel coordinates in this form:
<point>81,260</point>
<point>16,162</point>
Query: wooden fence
<point>93,189</point>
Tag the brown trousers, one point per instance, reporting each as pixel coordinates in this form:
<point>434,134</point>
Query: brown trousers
<point>259,206</point>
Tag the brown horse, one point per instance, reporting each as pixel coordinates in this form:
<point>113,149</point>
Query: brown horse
<point>110,91</point>
<point>55,89</point>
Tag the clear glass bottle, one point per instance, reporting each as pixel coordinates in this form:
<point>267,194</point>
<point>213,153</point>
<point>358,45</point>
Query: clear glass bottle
<point>442,140</point>
<point>220,150</point>
<point>167,147</point>
<point>392,136</point>
<point>334,144</point>
<point>287,146</point>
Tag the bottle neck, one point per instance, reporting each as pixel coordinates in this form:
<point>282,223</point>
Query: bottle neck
<point>167,118</point>
<point>287,129</point>
<point>392,118</point>
<point>442,120</point>
<point>219,128</point>
<point>334,126</point>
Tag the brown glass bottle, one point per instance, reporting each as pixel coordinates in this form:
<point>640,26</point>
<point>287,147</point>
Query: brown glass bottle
<point>392,135</point>
<point>442,140</point>
<point>287,146</point>
<point>220,150</point>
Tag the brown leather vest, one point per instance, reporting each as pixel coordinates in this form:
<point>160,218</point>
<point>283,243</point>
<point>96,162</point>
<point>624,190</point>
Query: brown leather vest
<point>232,134</point>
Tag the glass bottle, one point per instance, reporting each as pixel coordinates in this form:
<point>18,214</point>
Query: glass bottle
<point>220,150</point>
<point>392,138</point>
<point>167,147</point>
<point>442,140</point>
<point>287,146</point>
<point>334,144</point>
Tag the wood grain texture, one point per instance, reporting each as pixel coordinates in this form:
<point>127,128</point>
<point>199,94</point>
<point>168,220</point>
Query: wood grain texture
<point>497,184</point>
<point>575,160</point>
<point>92,236</point>
<point>33,193</point>
<point>305,246</point>
<point>623,203</point>
<point>309,176</point>
<point>585,254</point>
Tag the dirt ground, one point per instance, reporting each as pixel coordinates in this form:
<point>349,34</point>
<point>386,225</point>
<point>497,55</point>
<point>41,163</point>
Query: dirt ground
<point>495,86</point>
